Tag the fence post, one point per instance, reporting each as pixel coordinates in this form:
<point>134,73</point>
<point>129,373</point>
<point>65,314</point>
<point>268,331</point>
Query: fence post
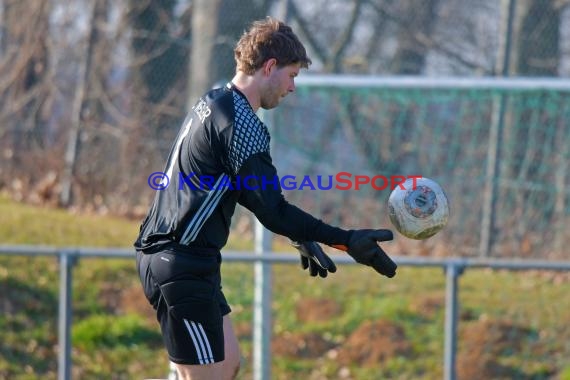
<point>490,190</point>
<point>262,321</point>
<point>453,270</point>
<point>66,261</point>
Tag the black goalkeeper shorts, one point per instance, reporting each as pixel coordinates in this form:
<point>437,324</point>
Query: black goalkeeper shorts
<point>184,287</point>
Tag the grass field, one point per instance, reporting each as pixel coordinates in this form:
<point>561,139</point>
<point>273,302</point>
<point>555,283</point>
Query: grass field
<point>352,325</point>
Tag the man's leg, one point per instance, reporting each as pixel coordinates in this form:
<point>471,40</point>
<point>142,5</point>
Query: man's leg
<point>224,370</point>
<point>232,359</point>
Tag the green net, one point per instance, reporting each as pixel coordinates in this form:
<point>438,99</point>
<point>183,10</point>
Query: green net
<point>500,153</point>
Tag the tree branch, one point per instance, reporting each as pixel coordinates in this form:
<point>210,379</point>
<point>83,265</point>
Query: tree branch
<point>313,43</point>
<point>346,37</point>
<point>424,40</point>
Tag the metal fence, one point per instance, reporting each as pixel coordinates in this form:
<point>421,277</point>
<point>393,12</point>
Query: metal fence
<point>263,260</point>
<point>500,148</point>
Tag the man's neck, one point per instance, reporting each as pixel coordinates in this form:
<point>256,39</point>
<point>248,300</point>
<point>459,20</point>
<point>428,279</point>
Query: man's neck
<point>248,85</point>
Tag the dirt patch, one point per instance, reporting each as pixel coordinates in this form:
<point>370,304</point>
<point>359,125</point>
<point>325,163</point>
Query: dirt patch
<point>132,300</point>
<point>299,345</point>
<point>317,309</point>
<point>428,306</point>
<point>111,296</point>
<point>483,341</point>
<point>374,343</point>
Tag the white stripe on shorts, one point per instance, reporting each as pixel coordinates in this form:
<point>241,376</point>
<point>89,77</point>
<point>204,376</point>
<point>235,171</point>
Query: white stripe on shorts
<point>196,346</point>
<point>200,340</point>
<point>210,355</point>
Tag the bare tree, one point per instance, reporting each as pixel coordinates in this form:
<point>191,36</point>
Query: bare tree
<point>204,30</point>
<point>216,27</point>
<point>24,73</point>
<point>91,73</point>
<point>159,54</point>
<point>537,49</point>
<point>331,52</point>
<point>414,34</point>
<point>155,47</point>
<point>232,22</point>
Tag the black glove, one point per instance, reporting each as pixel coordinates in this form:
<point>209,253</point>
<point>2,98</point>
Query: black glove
<point>313,257</point>
<point>363,247</point>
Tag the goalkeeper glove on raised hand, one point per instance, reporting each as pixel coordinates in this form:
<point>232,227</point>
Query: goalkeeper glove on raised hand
<point>313,257</point>
<point>363,246</point>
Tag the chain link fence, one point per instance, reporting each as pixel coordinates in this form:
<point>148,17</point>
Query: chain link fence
<point>94,94</point>
<point>454,132</point>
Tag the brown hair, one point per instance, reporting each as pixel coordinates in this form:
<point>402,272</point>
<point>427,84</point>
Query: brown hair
<point>268,39</point>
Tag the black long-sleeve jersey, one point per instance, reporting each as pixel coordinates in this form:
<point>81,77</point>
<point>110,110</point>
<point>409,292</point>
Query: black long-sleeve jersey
<point>220,158</point>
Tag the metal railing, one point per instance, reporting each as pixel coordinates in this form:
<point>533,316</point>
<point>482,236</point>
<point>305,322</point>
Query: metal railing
<point>263,260</point>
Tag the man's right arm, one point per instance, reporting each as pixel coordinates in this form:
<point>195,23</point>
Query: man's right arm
<point>262,195</point>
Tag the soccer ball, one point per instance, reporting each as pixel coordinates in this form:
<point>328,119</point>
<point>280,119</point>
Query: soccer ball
<point>418,208</point>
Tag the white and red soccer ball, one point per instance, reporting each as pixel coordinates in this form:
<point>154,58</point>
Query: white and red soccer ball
<point>419,208</point>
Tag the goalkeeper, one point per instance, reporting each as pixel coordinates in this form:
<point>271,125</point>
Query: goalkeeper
<point>178,247</point>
